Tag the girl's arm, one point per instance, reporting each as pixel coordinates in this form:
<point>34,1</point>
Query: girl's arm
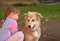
<point>13,27</point>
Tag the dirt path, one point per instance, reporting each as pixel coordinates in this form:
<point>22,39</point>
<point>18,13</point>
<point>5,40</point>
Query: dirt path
<point>51,31</point>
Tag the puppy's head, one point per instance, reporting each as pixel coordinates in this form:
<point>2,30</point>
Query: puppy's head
<point>32,20</point>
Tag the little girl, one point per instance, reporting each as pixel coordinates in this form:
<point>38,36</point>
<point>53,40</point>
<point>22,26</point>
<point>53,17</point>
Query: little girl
<point>9,30</point>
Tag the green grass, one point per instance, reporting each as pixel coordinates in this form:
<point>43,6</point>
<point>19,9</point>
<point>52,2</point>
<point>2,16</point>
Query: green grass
<point>47,11</point>
<point>1,12</point>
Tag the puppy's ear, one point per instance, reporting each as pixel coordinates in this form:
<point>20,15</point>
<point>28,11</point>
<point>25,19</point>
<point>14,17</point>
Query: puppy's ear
<point>25,15</point>
<point>39,15</point>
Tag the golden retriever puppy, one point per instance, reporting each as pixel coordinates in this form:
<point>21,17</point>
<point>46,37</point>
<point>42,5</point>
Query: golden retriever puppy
<point>32,30</point>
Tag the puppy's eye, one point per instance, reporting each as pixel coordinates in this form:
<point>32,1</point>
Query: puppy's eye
<point>33,20</point>
<point>28,20</point>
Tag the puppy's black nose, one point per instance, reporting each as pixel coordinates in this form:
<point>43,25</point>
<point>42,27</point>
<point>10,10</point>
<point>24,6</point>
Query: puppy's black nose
<point>29,26</point>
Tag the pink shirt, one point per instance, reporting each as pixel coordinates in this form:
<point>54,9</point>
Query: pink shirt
<point>9,27</point>
<point>13,26</point>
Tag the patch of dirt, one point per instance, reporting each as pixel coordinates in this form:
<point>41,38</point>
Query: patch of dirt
<point>50,31</point>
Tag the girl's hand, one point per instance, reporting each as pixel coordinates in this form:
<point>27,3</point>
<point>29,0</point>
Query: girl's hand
<point>25,30</point>
<point>2,20</point>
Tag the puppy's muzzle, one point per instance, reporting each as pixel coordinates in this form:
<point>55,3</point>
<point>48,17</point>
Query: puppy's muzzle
<point>31,26</point>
